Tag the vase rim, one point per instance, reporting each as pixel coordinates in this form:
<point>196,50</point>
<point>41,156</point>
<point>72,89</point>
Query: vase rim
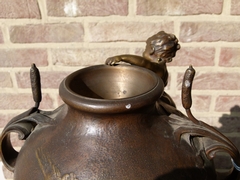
<point>95,105</point>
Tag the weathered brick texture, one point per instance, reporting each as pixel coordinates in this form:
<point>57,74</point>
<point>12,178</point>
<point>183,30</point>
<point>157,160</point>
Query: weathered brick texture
<point>113,31</point>
<point>19,9</point>
<point>235,7</point>
<point>216,81</point>
<point>209,31</point>
<point>84,56</point>
<point>63,36</point>
<point>76,8</point>
<point>203,56</point>
<point>196,56</point>
<point>49,79</point>
<point>228,103</point>
<point>23,101</point>
<point>23,57</point>
<point>229,57</point>
<point>176,7</point>
<point>200,103</point>
<point>213,81</point>
<point>60,33</point>
<point>5,80</point>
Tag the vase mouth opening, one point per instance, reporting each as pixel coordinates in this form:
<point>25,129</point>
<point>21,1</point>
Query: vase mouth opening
<point>106,88</point>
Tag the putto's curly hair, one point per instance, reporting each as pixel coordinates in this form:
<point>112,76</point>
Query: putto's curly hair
<point>164,45</point>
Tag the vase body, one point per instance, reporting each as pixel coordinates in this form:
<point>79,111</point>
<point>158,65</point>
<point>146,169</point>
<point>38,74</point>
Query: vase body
<point>114,134</point>
<point>121,146</point>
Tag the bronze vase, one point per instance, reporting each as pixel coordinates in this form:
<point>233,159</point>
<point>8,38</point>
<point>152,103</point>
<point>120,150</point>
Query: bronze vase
<point>109,128</point>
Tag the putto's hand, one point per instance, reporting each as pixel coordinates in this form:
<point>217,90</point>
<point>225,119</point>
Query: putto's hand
<point>112,60</point>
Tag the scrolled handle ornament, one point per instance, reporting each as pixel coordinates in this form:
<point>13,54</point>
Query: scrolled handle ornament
<point>22,124</point>
<point>205,137</point>
<point>23,127</point>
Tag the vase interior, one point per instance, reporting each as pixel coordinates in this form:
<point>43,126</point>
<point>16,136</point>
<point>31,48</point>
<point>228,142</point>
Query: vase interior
<point>117,82</point>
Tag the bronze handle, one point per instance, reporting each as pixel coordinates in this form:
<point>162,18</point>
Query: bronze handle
<point>211,147</point>
<point>206,137</point>
<point>24,128</point>
<point>206,140</point>
<point>23,124</point>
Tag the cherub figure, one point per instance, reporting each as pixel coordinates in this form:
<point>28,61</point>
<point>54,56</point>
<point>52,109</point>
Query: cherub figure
<point>160,49</point>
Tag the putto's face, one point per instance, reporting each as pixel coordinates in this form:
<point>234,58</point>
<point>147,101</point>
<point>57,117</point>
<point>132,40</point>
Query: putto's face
<point>161,46</point>
<point>154,49</point>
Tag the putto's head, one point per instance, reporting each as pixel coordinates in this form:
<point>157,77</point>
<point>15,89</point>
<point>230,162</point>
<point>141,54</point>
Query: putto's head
<point>161,46</point>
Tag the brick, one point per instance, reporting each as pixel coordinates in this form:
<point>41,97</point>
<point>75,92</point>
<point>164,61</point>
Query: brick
<point>78,8</point>
<point>5,118</point>
<point>228,103</point>
<point>49,79</point>
<point>199,56</point>
<point>126,31</point>
<point>19,9</point>
<point>209,31</point>
<point>213,81</point>
<point>84,57</point>
<point>47,102</point>
<point>23,57</point>
<point>5,80</point>
<point>23,101</point>
<point>229,57</point>
<point>200,103</point>
<point>235,6</point>
<point>196,56</point>
<point>47,33</point>
<point>1,37</point>
<point>176,7</point>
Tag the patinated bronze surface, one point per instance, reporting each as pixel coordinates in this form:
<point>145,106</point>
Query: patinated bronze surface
<point>117,123</point>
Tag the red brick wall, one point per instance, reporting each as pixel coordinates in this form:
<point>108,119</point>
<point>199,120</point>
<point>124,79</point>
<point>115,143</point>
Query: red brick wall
<point>63,36</point>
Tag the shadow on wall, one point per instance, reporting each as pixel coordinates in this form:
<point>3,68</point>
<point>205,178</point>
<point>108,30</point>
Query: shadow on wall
<point>231,129</point>
<point>231,125</point>
<point>231,122</point>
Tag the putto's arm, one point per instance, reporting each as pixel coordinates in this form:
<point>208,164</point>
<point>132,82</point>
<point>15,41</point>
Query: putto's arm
<point>128,58</point>
<point>159,68</point>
